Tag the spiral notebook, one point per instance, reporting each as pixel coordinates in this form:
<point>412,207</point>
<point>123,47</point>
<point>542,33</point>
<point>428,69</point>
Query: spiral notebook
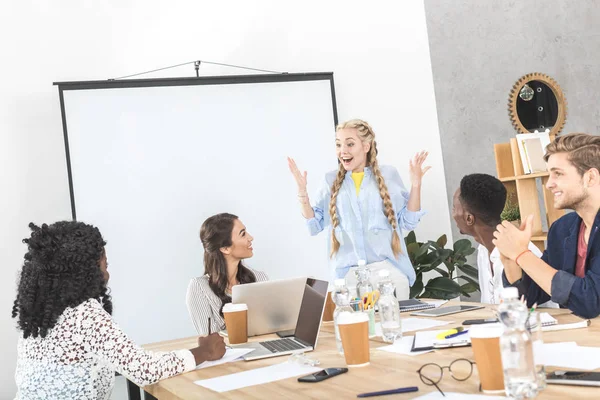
<point>547,319</point>
<point>414,305</point>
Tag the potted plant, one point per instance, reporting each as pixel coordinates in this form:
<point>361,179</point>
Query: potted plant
<point>511,211</point>
<point>433,256</point>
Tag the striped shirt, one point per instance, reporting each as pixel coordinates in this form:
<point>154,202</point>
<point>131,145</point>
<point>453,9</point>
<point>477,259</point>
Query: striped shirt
<point>203,303</point>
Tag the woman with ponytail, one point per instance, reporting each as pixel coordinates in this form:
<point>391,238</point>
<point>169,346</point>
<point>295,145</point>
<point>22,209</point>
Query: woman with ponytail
<point>365,206</point>
<point>226,243</point>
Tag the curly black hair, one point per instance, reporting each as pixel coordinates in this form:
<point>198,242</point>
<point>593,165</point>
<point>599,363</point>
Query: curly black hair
<point>61,270</point>
<point>483,196</point>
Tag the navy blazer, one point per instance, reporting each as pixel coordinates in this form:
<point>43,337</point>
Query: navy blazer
<point>580,295</point>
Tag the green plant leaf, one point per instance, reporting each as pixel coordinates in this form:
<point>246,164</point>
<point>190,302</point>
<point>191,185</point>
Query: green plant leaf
<point>442,241</point>
<point>443,288</point>
<point>422,250</point>
<point>471,280</point>
<point>442,272</point>
<point>461,246</point>
<point>416,289</point>
<point>469,270</point>
<point>469,287</point>
<point>410,238</point>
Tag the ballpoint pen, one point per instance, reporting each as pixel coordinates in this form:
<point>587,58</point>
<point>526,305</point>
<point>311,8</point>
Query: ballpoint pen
<point>456,334</point>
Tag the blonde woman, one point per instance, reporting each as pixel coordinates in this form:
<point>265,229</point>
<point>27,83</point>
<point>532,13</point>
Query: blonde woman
<point>365,207</point>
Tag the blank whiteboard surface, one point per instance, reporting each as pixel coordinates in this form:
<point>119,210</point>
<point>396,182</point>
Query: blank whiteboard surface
<point>150,164</point>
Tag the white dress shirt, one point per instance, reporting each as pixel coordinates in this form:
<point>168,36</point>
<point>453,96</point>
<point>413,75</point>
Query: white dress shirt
<point>491,286</point>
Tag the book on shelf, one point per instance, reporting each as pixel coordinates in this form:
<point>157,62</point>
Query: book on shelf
<point>532,147</point>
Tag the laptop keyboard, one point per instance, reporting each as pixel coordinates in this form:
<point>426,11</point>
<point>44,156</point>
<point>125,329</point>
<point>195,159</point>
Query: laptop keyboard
<point>281,345</point>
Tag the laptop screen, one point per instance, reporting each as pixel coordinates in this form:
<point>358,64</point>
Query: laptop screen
<point>311,311</point>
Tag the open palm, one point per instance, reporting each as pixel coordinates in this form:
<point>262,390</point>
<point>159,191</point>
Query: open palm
<point>416,168</point>
<point>300,177</point>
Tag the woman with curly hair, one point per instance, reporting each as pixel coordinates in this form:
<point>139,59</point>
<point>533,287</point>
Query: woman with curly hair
<point>226,243</point>
<point>365,207</point>
<point>71,347</point>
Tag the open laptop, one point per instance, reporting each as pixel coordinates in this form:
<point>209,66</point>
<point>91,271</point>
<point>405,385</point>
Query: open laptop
<point>273,306</point>
<point>307,327</point>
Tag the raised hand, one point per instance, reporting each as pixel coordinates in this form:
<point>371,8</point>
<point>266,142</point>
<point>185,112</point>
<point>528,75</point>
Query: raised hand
<point>416,169</point>
<point>300,177</point>
<point>512,241</point>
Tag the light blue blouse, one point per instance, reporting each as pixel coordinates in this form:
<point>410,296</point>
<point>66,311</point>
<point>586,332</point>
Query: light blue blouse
<point>364,232</point>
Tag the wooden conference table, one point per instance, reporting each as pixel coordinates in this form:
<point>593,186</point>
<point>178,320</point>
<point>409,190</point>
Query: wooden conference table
<point>386,371</point>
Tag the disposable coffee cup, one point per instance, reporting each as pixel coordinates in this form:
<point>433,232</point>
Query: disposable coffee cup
<point>329,306</point>
<point>354,331</point>
<point>236,322</point>
<point>485,341</point>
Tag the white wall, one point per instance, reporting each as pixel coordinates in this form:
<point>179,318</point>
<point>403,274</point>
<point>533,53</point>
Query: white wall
<point>378,52</point>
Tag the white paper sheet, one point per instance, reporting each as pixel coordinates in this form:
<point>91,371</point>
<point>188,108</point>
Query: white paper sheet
<point>256,376</point>
<point>403,346</point>
<point>426,339</point>
<point>567,355</point>
<point>458,396</point>
<point>230,355</point>
<point>413,324</point>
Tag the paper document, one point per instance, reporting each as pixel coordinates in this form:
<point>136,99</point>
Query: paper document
<point>230,355</point>
<point>567,355</point>
<point>546,319</point>
<point>257,376</point>
<point>413,324</point>
<point>403,346</point>
<point>458,396</point>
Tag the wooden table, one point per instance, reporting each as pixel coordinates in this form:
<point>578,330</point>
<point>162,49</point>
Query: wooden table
<point>386,371</point>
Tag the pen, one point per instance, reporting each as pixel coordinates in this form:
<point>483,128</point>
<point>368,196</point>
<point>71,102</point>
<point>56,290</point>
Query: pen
<point>209,325</point>
<point>456,334</point>
<point>386,392</point>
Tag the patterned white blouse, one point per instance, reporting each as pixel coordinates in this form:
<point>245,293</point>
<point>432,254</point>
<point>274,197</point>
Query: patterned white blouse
<point>79,356</point>
<point>203,303</point>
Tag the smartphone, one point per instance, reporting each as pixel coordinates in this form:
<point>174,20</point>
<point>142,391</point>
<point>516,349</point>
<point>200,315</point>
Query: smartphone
<point>322,375</point>
<point>480,321</point>
<point>579,378</point>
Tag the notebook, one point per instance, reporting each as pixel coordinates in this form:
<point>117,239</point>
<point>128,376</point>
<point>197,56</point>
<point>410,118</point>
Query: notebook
<point>414,305</point>
<point>547,319</point>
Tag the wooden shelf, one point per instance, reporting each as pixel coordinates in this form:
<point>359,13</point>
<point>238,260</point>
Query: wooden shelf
<point>523,189</point>
<point>528,176</point>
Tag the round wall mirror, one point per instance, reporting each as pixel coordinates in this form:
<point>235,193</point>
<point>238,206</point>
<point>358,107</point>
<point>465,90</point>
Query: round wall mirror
<point>536,102</point>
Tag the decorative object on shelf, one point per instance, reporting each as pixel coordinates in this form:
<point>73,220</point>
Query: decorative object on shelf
<point>511,211</point>
<point>526,93</point>
<point>433,256</point>
<point>536,102</point>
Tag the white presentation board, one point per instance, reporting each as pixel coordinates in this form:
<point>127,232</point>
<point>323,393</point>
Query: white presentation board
<point>150,160</point>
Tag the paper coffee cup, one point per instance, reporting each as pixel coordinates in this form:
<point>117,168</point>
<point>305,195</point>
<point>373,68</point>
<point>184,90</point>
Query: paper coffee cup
<point>354,331</point>
<point>236,322</point>
<point>485,341</point>
<point>329,306</point>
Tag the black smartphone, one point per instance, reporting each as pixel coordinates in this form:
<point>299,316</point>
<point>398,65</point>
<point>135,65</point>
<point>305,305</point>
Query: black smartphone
<point>322,375</point>
<point>480,321</point>
<point>579,378</point>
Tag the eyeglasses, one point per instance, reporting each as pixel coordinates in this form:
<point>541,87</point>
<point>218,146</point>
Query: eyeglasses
<point>431,374</point>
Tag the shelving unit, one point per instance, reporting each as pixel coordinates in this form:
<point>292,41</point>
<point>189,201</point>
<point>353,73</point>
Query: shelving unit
<point>524,188</point>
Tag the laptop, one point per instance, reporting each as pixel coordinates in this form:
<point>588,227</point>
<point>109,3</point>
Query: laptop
<point>273,306</point>
<point>307,327</point>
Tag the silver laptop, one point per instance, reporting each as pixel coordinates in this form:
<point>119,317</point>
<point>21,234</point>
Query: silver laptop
<point>307,328</point>
<point>273,306</point>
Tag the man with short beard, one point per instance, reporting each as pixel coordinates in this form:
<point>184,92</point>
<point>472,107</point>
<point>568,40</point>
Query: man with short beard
<point>569,270</point>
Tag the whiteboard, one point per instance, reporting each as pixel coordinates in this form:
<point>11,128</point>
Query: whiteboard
<point>149,162</point>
